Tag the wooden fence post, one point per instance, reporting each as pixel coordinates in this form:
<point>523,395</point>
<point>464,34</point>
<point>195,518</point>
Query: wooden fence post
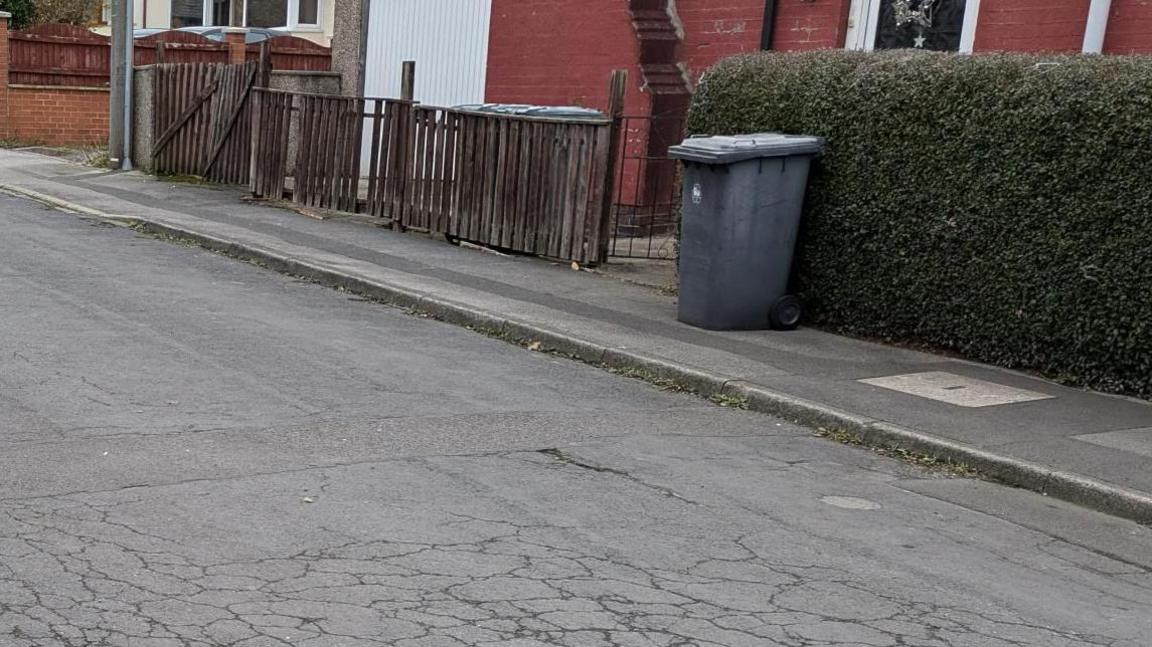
<point>262,80</point>
<point>406,136</point>
<point>616,95</point>
<point>408,81</point>
<point>4,58</point>
<point>264,73</point>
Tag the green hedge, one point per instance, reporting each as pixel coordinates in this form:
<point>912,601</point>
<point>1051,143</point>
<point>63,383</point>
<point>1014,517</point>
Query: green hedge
<point>21,10</point>
<point>996,206</point>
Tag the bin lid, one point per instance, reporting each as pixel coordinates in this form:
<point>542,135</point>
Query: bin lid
<point>728,149</point>
<point>555,112</point>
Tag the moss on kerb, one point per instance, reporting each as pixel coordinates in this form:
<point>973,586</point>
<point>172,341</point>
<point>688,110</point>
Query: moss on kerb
<point>903,454</point>
<point>996,206</point>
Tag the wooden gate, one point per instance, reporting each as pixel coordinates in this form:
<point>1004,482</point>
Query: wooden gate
<point>202,119</point>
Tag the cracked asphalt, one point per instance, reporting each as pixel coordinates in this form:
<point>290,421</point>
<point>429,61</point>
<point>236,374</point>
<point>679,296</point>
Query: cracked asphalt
<point>195,452</point>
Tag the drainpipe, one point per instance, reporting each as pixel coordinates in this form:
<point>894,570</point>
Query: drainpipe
<point>1097,26</point>
<point>769,31</point>
<point>129,79</point>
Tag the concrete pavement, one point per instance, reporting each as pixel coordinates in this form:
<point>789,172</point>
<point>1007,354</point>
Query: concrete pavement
<point>1086,447</point>
<point>195,452</point>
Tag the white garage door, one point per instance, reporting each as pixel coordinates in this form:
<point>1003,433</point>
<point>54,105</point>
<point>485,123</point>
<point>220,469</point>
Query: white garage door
<point>448,39</point>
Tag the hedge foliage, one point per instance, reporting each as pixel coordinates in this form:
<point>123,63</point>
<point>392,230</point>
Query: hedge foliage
<point>22,12</point>
<point>996,206</point>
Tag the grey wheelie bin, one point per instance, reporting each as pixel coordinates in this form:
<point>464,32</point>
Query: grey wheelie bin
<point>742,201</point>
<point>555,112</point>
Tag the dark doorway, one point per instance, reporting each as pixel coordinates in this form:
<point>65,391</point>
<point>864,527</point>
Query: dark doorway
<point>920,24</point>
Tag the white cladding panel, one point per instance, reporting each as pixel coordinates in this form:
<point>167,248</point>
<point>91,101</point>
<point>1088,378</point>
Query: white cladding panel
<point>448,39</point>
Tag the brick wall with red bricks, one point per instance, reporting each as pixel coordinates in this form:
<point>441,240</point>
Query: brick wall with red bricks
<point>560,52</point>
<point>4,126</point>
<point>1031,25</point>
<point>54,115</point>
<point>713,30</point>
<point>59,116</point>
<point>810,24</point>
<point>1129,27</point>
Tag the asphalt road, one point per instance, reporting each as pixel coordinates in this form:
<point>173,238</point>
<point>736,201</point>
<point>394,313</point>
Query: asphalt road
<point>194,451</point>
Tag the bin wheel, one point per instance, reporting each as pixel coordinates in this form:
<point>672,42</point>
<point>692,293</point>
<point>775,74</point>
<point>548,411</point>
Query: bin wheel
<point>785,313</point>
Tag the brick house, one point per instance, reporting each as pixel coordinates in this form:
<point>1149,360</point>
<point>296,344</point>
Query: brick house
<point>561,52</point>
<point>311,19</point>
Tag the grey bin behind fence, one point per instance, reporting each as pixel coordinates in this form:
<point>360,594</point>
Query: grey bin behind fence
<point>742,201</point>
<point>554,112</point>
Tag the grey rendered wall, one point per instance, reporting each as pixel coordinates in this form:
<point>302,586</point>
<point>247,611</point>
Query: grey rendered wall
<point>309,82</point>
<point>348,43</point>
<point>142,102</point>
<point>306,82</point>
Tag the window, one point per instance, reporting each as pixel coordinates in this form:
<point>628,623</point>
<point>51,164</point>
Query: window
<point>309,12</point>
<point>269,14</point>
<point>941,25</point>
<point>219,12</point>
<point>187,13</point>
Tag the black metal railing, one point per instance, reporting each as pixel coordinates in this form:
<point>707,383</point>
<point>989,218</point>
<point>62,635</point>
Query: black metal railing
<point>646,213</point>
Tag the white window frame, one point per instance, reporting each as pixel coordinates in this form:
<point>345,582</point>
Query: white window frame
<point>864,18</point>
<point>294,23</point>
<point>206,14</point>
<point>291,20</point>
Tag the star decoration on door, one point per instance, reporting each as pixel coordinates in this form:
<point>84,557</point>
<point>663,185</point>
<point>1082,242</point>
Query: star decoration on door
<point>921,15</point>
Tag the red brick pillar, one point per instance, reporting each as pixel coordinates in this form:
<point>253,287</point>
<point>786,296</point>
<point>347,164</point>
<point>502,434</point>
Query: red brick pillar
<point>5,129</point>
<point>237,48</point>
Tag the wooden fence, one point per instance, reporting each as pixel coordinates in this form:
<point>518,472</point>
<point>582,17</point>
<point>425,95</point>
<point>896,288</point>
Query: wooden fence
<point>292,53</point>
<point>58,55</point>
<point>67,55</point>
<point>179,47</point>
<point>202,119</point>
<point>526,184</point>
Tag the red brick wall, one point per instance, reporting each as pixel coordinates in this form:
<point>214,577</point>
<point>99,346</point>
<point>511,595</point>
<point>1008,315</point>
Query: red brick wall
<point>1129,28</point>
<point>1032,25</point>
<point>561,52</point>
<point>715,29</point>
<point>4,78</point>
<point>58,115</point>
<point>810,24</point>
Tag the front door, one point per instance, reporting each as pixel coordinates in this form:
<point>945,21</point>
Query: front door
<point>938,25</point>
<point>920,24</point>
